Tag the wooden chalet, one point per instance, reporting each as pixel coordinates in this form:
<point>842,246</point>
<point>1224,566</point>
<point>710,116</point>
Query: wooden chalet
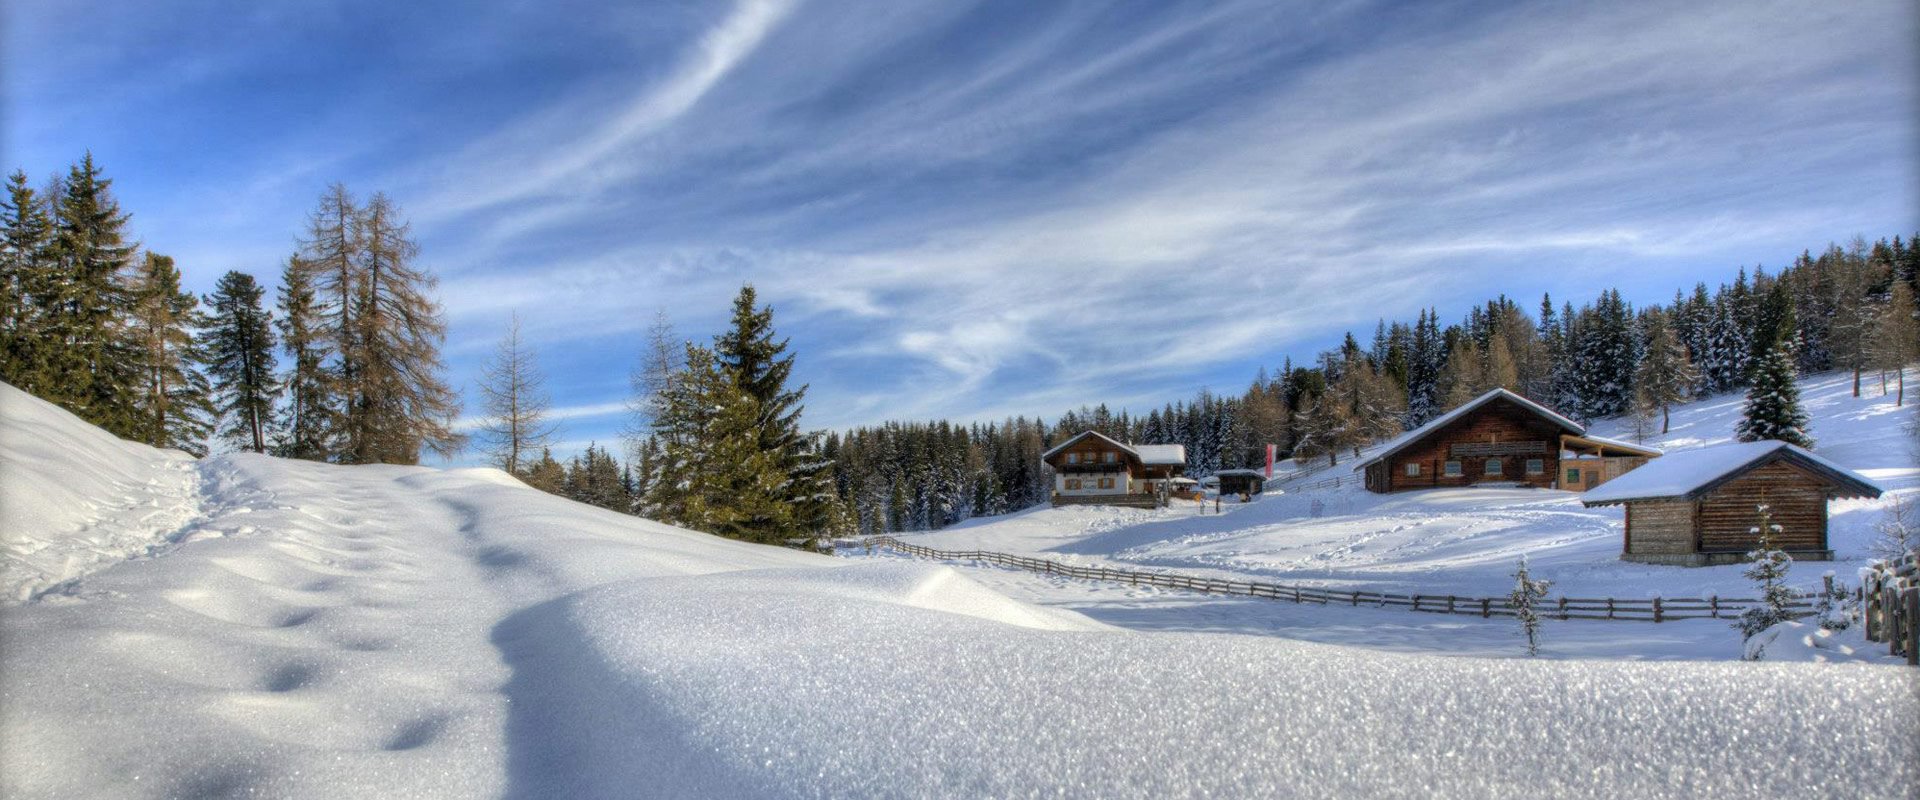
<point>1092,469</point>
<point>1700,507</point>
<point>1504,439</point>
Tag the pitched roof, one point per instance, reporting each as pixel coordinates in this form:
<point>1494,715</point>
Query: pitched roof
<point>1617,444</point>
<point>1161,454</point>
<point>1403,440</point>
<point>1689,474</point>
<point>1084,434</point>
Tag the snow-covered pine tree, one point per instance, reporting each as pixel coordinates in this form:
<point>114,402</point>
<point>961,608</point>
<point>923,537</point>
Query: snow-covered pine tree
<point>1773,402</point>
<point>1524,600</point>
<point>515,403</point>
<point>308,421</point>
<point>239,349</point>
<point>174,406</point>
<point>1767,567</point>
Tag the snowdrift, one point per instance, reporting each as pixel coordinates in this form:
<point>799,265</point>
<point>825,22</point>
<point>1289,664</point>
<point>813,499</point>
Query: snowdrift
<point>381,631</point>
<point>74,498</point>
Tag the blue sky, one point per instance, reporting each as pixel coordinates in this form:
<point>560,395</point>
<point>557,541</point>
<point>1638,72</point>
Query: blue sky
<point>971,210</point>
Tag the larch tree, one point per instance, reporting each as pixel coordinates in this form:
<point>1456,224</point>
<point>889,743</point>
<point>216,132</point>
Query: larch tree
<point>1666,374</point>
<point>516,404</point>
<point>398,401</point>
<point>239,344</point>
<point>173,406</point>
<point>330,265</point>
<point>308,420</point>
<point>1896,338</point>
<point>1773,402</point>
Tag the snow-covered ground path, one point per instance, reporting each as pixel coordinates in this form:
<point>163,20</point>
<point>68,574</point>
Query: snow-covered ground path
<point>322,631</point>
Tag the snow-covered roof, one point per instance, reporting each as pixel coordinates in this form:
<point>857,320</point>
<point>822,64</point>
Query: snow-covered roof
<point>1622,445</point>
<point>1161,454</point>
<point>1082,435</point>
<point>1688,474</point>
<point>1400,442</point>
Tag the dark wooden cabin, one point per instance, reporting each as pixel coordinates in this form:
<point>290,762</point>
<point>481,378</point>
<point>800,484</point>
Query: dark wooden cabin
<point>1235,482</point>
<point>1700,507</point>
<point>1498,437</point>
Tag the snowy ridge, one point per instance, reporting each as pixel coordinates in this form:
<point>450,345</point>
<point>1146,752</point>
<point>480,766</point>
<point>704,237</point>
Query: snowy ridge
<point>75,499</point>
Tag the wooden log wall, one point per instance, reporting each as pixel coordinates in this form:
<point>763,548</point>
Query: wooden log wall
<point>1796,498</point>
<point>1497,422</point>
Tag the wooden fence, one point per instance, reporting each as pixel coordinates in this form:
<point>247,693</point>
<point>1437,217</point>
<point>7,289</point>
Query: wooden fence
<point>1890,605</point>
<point>1657,609</point>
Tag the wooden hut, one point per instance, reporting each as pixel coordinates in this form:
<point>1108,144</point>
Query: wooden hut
<point>1236,482</point>
<point>1093,469</point>
<point>1700,507</point>
<point>1588,461</point>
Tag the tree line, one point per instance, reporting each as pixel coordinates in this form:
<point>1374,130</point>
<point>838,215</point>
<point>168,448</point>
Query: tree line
<point>101,327</point>
<point>698,410</point>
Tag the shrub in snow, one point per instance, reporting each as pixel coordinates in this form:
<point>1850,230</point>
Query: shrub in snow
<point>1898,531</point>
<point>1767,567</point>
<point>1527,593</point>
<point>1833,607</point>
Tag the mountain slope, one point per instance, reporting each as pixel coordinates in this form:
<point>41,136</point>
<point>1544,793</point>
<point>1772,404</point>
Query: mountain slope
<point>375,631</point>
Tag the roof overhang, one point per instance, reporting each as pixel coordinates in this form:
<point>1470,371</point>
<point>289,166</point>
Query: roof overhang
<point>1061,447</point>
<point>1604,444</point>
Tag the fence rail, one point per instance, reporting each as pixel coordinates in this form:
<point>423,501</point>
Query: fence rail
<point>1890,605</point>
<point>1656,609</point>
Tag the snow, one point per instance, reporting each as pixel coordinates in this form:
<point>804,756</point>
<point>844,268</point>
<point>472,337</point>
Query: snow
<point>1682,473</point>
<point>1446,541</point>
<point>1161,454</point>
<point>74,498</point>
<point>310,630</point>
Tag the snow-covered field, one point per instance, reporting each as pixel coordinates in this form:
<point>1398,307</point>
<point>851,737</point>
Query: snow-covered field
<point>1445,541</point>
<point>243,625</point>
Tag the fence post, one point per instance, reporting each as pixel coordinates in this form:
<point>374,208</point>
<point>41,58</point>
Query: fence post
<point>1913,625</point>
<point>1563,608</point>
<point>1609,608</point>
<point>1486,607</point>
<point>1713,602</point>
<point>1656,610</point>
<point>1449,604</point>
<point>1870,606</point>
<point>1416,602</point>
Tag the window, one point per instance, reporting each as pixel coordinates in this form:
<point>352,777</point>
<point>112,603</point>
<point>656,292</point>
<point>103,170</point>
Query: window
<point>1494,467</point>
<point>1573,475</point>
<point>1453,469</point>
<point>1536,466</point>
<point>1413,470</point>
<point>1106,457</point>
<point>1106,483</point>
<point>1073,483</point>
<point>1073,458</point>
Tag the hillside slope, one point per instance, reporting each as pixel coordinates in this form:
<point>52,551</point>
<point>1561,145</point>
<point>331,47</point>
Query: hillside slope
<point>1464,541</point>
<point>325,631</point>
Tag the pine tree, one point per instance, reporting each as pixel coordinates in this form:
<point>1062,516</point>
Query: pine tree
<point>1525,597</point>
<point>1767,567</point>
<point>26,238</point>
<point>759,366</point>
<point>89,361</point>
<point>310,420</point>
<point>173,407</point>
<point>546,474</point>
<point>1773,403</point>
<point>515,403</point>
<point>239,349</point>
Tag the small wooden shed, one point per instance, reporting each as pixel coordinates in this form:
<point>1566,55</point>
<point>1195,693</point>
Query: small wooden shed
<point>1700,507</point>
<point>1241,481</point>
